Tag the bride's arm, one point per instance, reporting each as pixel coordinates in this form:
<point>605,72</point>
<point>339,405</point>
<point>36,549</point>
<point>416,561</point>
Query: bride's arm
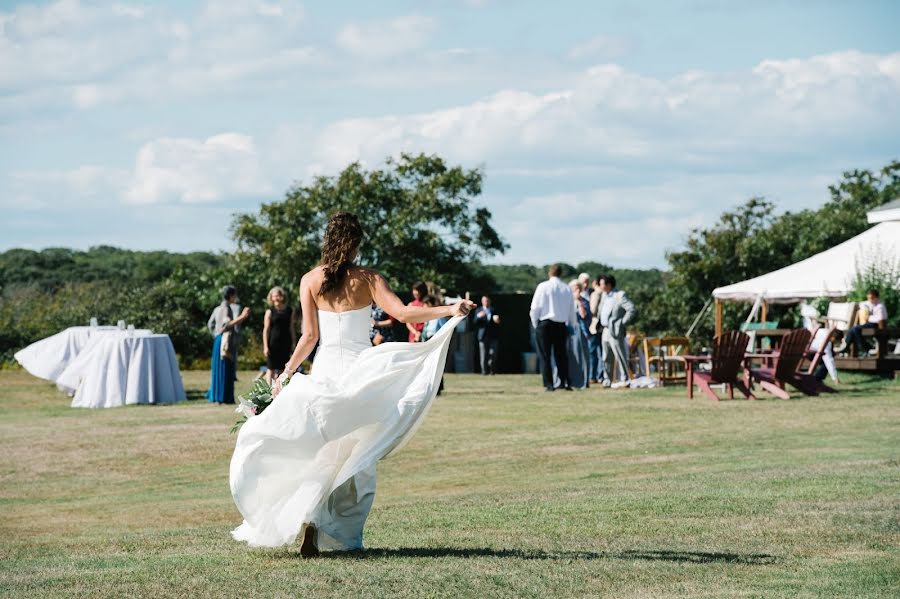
<point>394,306</point>
<point>308,336</point>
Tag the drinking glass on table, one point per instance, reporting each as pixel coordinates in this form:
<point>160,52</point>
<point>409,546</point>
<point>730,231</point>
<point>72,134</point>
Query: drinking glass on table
<point>131,330</point>
<point>121,325</point>
<point>93,322</point>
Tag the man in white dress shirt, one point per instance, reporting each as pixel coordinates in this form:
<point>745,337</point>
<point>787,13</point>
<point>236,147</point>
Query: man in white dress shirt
<point>616,311</point>
<point>552,310</point>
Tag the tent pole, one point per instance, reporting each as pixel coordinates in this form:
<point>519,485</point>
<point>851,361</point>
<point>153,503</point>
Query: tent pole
<point>699,316</point>
<point>764,312</point>
<point>718,317</point>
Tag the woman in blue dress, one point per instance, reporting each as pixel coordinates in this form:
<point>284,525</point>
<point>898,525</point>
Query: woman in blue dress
<point>222,325</point>
<point>577,345</point>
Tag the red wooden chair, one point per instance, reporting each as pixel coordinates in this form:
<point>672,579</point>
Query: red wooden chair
<point>786,362</point>
<point>727,364</point>
<point>805,379</point>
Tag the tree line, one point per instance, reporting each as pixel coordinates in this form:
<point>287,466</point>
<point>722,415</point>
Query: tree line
<point>422,221</point>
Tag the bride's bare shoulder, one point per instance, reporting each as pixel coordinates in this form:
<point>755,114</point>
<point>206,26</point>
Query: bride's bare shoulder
<point>313,277</point>
<point>369,275</point>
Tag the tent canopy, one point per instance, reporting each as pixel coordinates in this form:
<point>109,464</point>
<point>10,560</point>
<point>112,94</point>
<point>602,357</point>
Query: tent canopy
<point>828,274</point>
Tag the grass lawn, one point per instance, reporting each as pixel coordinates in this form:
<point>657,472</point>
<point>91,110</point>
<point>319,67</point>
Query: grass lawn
<point>506,491</point>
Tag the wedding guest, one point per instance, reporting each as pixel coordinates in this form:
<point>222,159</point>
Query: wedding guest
<point>576,341</point>
<point>582,308</point>
<point>877,319</point>
<point>222,371</point>
<point>820,340</point>
<point>487,323</point>
<point>616,311</point>
<point>594,345</point>
<point>433,326</point>
<point>584,279</point>
<point>552,309</point>
<point>419,293</point>
<point>279,335</point>
<point>382,329</point>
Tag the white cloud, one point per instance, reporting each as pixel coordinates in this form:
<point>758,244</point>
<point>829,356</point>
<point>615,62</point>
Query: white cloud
<point>195,171</point>
<point>633,222</point>
<point>384,39</point>
<point>87,55</point>
<point>610,115</point>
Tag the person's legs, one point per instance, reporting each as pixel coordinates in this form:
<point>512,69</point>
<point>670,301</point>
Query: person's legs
<point>620,353</point>
<point>606,356</point>
<point>542,336</point>
<point>230,378</point>
<point>342,521</point>
<point>820,372</point>
<point>854,336</point>
<point>483,354</point>
<point>492,345</point>
<point>560,353</point>
<point>594,357</point>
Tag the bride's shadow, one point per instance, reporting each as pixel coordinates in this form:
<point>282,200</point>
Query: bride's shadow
<point>697,557</point>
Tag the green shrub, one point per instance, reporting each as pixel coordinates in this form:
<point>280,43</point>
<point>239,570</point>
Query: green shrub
<point>879,270</point>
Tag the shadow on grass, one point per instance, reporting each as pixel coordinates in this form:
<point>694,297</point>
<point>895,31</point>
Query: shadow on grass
<point>195,394</point>
<point>697,557</point>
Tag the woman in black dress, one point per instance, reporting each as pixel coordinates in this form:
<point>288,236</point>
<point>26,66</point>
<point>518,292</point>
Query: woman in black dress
<point>278,333</point>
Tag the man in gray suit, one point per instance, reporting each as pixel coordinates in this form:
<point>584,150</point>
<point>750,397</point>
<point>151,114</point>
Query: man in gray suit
<point>615,312</point>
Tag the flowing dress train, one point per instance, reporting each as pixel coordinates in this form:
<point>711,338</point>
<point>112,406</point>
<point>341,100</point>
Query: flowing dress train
<point>310,457</point>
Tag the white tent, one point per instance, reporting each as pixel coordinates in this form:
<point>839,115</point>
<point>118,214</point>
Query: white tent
<point>828,274</point>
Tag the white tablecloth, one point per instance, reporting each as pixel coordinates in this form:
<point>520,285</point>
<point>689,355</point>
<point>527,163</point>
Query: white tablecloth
<point>49,357</point>
<point>123,370</point>
<point>70,378</point>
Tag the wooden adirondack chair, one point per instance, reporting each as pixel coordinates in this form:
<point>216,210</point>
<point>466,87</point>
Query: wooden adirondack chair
<point>805,379</point>
<point>667,354</point>
<point>786,363</point>
<point>727,361</point>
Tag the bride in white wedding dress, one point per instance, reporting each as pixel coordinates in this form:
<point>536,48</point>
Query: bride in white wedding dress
<point>305,467</point>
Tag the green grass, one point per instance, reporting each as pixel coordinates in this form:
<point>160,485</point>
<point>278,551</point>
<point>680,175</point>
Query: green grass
<point>506,491</point>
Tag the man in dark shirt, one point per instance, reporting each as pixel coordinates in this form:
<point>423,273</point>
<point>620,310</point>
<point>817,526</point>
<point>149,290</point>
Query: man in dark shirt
<point>487,321</point>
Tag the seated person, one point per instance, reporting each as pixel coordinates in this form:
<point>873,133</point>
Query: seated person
<point>877,320</point>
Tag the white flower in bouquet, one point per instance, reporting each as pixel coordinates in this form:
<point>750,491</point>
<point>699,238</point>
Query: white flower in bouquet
<point>246,408</point>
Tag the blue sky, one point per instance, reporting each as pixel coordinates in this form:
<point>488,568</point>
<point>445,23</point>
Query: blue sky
<point>607,130</point>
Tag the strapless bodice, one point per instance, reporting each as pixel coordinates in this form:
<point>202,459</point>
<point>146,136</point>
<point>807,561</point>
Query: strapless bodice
<point>347,328</point>
<point>342,336</point>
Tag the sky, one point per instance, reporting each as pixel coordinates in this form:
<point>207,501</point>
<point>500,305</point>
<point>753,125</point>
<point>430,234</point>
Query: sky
<point>606,130</point>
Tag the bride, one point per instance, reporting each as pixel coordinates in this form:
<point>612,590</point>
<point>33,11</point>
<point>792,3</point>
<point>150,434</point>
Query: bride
<point>305,467</point>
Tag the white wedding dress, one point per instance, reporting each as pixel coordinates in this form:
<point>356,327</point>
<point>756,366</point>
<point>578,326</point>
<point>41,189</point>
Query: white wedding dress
<point>310,457</point>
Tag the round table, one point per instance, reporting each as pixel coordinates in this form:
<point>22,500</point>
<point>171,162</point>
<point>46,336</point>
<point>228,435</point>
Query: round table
<point>70,378</point>
<point>122,369</point>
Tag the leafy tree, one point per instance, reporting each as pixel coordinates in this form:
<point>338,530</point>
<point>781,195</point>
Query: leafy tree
<point>417,213</point>
<point>53,268</point>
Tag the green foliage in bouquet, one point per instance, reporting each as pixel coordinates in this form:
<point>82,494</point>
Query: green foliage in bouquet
<point>257,399</point>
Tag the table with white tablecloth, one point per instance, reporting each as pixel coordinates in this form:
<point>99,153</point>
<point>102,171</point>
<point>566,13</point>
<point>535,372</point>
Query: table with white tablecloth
<point>128,370</point>
<point>70,378</point>
<point>107,367</point>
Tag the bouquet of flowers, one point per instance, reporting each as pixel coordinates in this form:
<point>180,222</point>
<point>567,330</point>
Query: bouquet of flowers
<point>258,399</point>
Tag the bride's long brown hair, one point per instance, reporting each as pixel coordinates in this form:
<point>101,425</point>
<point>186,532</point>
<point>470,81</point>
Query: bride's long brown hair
<point>339,247</point>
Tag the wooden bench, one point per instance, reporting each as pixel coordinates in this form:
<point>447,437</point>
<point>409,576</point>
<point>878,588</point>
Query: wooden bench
<point>883,363</point>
